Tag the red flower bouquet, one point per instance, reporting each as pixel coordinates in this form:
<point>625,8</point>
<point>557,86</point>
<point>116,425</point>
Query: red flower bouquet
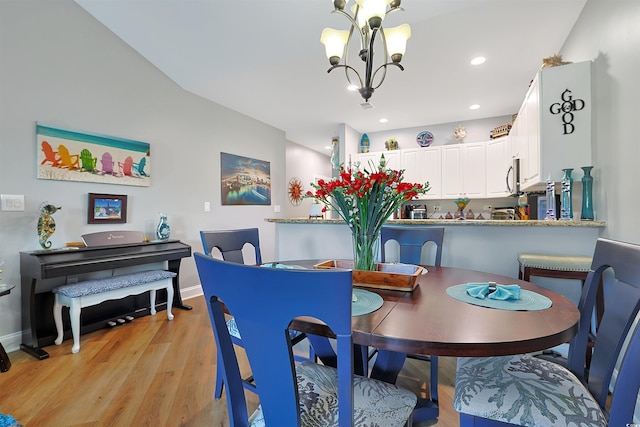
<point>365,200</point>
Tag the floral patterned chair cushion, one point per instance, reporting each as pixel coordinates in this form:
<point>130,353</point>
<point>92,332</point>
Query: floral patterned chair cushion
<point>524,390</point>
<point>376,403</point>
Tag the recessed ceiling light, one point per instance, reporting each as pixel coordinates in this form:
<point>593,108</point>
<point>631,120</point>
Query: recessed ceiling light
<point>328,147</point>
<point>474,107</point>
<point>383,120</point>
<point>478,60</point>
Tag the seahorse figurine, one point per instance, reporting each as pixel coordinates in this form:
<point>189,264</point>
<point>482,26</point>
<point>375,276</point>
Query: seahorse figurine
<point>46,224</point>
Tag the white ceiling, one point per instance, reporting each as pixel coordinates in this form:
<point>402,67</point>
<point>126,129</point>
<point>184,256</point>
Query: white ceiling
<point>263,58</point>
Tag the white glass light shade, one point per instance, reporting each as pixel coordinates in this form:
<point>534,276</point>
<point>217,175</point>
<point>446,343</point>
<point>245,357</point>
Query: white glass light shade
<point>396,38</point>
<point>373,8</point>
<point>359,17</point>
<point>334,41</point>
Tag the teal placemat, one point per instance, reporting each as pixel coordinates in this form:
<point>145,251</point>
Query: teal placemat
<point>366,302</point>
<point>529,301</point>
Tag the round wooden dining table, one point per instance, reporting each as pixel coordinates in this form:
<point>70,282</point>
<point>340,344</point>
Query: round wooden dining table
<point>427,321</point>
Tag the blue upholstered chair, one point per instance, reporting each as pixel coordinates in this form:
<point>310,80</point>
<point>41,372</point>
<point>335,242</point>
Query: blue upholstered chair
<point>526,390</point>
<point>230,244</point>
<point>264,301</point>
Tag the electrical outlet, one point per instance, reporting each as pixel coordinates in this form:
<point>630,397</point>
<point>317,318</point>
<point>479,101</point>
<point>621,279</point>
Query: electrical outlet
<point>436,208</point>
<point>12,202</point>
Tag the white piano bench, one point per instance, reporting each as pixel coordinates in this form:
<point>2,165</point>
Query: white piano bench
<point>92,292</point>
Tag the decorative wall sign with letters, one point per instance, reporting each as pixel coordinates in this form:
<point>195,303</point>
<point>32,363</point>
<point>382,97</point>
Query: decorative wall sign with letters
<point>567,107</point>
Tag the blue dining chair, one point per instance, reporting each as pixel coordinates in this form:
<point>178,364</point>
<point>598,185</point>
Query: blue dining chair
<point>526,390</point>
<point>264,302</point>
<point>230,244</point>
<point>411,242</point>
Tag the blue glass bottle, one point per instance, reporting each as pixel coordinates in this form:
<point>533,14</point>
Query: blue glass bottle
<point>566,203</point>
<point>587,194</point>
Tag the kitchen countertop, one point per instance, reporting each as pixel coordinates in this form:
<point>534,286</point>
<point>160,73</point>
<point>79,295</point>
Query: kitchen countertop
<point>454,222</point>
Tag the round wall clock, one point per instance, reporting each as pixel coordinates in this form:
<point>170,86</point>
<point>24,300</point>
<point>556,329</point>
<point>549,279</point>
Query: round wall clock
<point>295,191</point>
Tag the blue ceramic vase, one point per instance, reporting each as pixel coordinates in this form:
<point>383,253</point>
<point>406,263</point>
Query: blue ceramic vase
<point>163,231</point>
<point>587,194</point>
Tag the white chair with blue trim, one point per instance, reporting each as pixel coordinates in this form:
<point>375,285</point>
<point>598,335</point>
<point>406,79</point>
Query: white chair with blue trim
<point>529,391</point>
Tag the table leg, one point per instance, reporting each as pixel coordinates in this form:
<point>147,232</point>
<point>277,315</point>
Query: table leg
<point>174,266</point>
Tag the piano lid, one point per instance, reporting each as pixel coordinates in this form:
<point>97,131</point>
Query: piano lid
<point>105,238</point>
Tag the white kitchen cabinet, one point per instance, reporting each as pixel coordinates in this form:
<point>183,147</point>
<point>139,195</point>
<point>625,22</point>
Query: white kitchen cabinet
<point>452,171</point>
<point>474,170</point>
<point>553,127</point>
<point>464,170</point>
<point>498,163</point>
<point>424,165</point>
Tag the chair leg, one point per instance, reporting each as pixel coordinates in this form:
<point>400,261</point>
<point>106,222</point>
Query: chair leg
<point>219,382</point>
<point>387,366</point>
<point>434,379</point>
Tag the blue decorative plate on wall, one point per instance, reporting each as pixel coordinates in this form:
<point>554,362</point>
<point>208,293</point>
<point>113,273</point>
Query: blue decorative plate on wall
<point>424,139</point>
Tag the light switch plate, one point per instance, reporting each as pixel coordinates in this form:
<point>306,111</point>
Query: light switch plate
<point>12,202</point>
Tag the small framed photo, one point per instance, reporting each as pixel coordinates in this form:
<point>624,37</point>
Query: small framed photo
<point>107,208</point>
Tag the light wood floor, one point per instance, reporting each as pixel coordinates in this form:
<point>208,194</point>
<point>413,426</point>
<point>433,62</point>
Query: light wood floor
<point>150,372</point>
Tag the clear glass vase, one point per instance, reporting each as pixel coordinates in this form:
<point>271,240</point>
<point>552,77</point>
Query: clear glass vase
<point>365,250</point>
<point>551,200</point>
<point>566,204</point>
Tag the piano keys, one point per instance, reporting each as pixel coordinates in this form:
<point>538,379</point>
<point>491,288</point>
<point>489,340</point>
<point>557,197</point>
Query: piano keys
<point>43,270</point>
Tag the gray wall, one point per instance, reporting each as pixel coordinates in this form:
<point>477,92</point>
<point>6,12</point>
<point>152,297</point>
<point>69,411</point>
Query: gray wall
<point>307,166</point>
<point>608,32</point>
<point>62,67</point>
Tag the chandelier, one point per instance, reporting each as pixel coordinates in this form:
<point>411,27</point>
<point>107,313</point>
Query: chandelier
<point>367,22</point>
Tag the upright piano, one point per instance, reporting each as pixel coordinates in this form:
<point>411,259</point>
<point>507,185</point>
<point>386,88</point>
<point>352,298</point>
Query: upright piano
<point>43,270</point>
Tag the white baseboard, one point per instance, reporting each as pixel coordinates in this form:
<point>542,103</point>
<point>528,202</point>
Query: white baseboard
<point>12,342</point>
<point>191,292</point>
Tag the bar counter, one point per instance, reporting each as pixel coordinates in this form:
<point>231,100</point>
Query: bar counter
<point>484,245</point>
<point>454,222</point>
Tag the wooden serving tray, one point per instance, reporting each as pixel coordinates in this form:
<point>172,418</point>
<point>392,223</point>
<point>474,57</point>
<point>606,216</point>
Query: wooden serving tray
<point>395,277</point>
